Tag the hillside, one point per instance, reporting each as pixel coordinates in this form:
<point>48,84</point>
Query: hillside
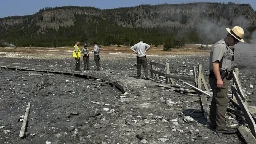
<point>157,24</point>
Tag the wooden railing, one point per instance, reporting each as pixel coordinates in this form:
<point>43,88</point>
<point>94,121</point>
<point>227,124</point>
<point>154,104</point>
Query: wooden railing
<point>237,98</point>
<point>155,73</point>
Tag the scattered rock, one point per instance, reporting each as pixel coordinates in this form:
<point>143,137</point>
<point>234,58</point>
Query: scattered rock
<point>188,119</point>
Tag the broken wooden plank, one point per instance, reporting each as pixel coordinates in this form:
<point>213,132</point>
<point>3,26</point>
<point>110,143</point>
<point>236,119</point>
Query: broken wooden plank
<point>247,135</point>
<point>157,64</point>
<point>24,124</point>
<point>197,89</point>
<point>237,73</point>
<point>239,87</point>
<point>248,117</point>
<point>158,73</point>
<point>204,82</point>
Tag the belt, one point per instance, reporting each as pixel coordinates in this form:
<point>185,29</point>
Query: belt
<point>141,57</point>
<point>223,74</point>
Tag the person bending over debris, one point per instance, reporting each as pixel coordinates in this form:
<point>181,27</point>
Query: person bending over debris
<point>96,51</point>
<point>140,49</point>
<point>85,52</point>
<point>221,57</point>
<point>76,55</point>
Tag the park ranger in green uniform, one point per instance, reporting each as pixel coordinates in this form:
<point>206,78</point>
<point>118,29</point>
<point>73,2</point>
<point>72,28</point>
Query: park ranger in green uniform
<point>221,57</point>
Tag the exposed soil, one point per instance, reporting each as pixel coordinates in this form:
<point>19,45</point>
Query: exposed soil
<point>72,109</point>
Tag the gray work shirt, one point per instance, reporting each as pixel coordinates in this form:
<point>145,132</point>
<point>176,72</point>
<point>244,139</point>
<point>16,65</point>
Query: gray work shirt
<point>222,53</point>
<point>140,48</point>
<point>96,50</point>
<point>85,51</point>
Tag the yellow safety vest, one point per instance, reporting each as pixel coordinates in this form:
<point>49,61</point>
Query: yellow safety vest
<point>76,54</point>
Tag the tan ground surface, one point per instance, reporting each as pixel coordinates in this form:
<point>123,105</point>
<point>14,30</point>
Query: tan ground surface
<point>65,52</point>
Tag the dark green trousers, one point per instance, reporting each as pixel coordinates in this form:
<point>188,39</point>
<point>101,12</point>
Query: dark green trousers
<point>97,61</point>
<point>142,61</point>
<point>86,62</point>
<point>219,103</point>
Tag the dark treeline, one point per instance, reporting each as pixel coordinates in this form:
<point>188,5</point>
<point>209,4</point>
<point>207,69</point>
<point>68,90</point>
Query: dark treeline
<point>121,26</point>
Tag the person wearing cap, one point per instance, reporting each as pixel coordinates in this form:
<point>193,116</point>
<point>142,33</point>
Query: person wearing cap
<point>140,49</point>
<point>85,52</point>
<point>96,51</point>
<point>220,66</point>
<point>76,55</point>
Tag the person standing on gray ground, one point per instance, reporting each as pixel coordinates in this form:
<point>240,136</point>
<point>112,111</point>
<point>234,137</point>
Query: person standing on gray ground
<point>85,52</point>
<point>96,51</point>
<point>140,49</point>
<point>220,66</point>
<point>76,55</point>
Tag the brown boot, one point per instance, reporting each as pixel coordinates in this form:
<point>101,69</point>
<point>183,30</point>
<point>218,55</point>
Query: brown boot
<point>226,130</point>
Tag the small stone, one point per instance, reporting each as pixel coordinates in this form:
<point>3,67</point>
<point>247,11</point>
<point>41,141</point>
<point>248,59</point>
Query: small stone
<point>144,141</point>
<point>6,131</point>
<point>176,123</point>
<point>174,120</point>
<point>188,119</point>
<point>106,109</point>
<point>170,102</point>
<point>164,120</point>
<point>126,93</point>
<point>163,139</point>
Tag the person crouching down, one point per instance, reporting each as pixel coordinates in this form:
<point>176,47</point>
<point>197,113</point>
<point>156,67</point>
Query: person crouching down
<point>85,52</point>
<point>76,55</point>
<point>140,49</point>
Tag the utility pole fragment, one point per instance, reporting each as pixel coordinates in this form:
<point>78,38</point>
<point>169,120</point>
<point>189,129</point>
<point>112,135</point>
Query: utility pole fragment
<point>23,127</point>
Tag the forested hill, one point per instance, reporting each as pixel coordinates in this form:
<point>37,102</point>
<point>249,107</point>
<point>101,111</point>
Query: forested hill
<point>156,24</point>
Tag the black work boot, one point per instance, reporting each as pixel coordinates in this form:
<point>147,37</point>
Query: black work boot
<point>146,78</point>
<point>212,126</point>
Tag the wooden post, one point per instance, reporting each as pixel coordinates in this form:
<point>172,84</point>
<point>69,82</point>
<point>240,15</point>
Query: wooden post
<point>167,66</point>
<point>195,76</point>
<point>204,82</point>
<point>151,68</point>
<point>23,127</point>
<point>203,99</point>
<point>199,79</point>
<point>157,77</point>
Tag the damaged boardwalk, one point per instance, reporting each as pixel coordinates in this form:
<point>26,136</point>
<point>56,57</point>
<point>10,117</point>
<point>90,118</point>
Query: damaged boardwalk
<point>141,112</point>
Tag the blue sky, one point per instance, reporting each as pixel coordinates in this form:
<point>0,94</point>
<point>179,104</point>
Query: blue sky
<point>29,7</point>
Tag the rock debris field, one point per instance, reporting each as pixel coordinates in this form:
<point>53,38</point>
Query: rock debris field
<point>72,109</point>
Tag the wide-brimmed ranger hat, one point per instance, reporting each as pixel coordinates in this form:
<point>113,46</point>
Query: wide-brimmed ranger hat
<point>237,32</point>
